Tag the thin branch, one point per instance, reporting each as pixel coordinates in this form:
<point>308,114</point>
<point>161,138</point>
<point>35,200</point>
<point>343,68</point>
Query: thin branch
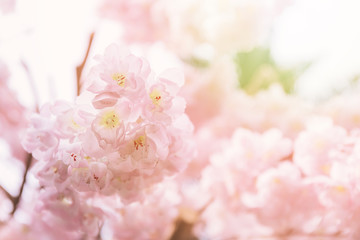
<point>32,85</point>
<point>80,68</point>
<point>99,236</point>
<point>17,199</point>
<point>8,195</point>
<point>184,229</point>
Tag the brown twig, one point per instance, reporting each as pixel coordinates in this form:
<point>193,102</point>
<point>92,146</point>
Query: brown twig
<point>184,227</point>
<point>99,236</point>
<point>8,195</point>
<point>183,230</point>
<point>80,68</point>
<point>16,200</point>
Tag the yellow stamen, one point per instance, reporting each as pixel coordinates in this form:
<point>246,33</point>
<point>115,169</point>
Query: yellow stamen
<point>110,120</point>
<point>340,189</point>
<point>326,169</point>
<point>139,142</point>
<point>277,180</point>
<point>356,118</point>
<point>155,96</point>
<point>75,125</point>
<point>119,79</point>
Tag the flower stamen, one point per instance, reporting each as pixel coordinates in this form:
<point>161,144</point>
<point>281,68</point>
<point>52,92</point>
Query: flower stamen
<point>119,79</point>
<point>110,120</point>
<point>155,96</point>
<point>139,142</point>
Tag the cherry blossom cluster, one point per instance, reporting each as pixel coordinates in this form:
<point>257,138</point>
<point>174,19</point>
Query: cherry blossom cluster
<point>126,132</point>
<point>51,214</point>
<point>265,185</point>
<point>134,221</point>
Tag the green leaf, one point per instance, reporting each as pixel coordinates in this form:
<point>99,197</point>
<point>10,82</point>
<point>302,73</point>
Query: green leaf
<point>257,71</point>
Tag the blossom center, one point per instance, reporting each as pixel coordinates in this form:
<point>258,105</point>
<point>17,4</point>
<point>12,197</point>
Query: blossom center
<point>73,157</point>
<point>110,120</point>
<point>276,180</point>
<point>155,96</point>
<point>119,79</point>
<point>75,125</point>
<point>340,189</point>
<point>139,142</point>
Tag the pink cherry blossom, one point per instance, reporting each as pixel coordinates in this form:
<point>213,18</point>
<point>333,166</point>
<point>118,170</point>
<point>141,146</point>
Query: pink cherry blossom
<point>66,215</point>
<point>129,221</point>
<point>41,139</point>
<point>129,137</point>
<point>313,148</point>
<point>120,73</point>
<point>231,175</point>
<point>343,109</point>
<point>265,187</point>
<point>284,201</point>
<point>7,6</point>
<point>13,116</point>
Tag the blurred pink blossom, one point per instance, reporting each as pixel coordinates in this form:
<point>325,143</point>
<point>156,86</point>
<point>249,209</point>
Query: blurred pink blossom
<point>13,117</point>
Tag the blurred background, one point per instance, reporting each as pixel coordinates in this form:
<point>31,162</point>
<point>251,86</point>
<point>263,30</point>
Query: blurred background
<point>51,37</point>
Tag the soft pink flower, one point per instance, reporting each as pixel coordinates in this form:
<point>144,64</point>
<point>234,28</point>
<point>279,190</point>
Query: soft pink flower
<point>13,119</point>
<point>7,6</point>
<point>248,154</point>
<point>284,201</point>
<point>154,218</point>
<point>313,147</point>
<point>128,137</point>
<point>344,110</point>
<point>231,175</point>
<point>120,73</point>
<point>40,138</point>
<point>67,215</point>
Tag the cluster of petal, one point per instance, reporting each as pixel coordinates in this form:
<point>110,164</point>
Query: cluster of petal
<point>267,185</point>
<point>344,109</point>
<point>271,108</point>
<point>56,215</point>
<point>12,115</point>
<point>153,218</point>
<point>266,110</point>
<point>126,132</point>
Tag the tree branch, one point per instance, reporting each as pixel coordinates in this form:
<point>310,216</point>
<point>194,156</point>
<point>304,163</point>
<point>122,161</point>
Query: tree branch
<point>16,200</point>
<point>8,195</point>
<point>80,68</point>
<point>184,226</point>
